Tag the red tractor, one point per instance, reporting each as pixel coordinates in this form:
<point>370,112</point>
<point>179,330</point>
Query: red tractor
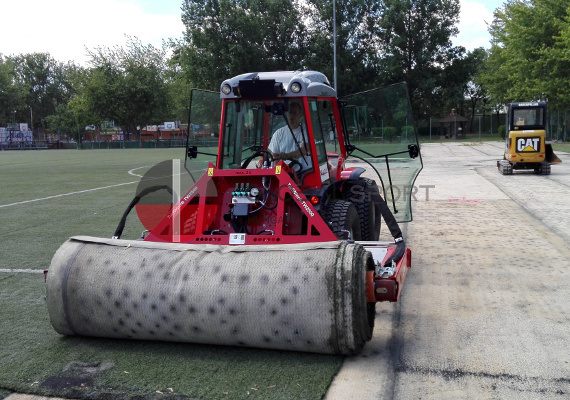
<point>278,192</point>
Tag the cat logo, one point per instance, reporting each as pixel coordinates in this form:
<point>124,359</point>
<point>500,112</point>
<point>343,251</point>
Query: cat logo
<point>528,144</point>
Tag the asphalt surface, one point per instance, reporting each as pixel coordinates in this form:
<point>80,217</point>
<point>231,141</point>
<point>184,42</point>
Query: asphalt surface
<point>485,310</point>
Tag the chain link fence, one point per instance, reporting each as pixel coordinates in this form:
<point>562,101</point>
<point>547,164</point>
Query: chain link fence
<point>486,126</point>
<point>105,144</point>
<point>558,128</point>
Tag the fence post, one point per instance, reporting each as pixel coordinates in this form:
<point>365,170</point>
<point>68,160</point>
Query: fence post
<point>479,128</point>
<point>565,125</point>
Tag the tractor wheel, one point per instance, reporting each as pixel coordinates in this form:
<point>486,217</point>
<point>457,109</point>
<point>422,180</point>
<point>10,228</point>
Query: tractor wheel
<point>376,199</point>
<point>365,197</point>
<point>342,216</point>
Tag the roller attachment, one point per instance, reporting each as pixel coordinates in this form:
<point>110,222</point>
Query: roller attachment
<point>304,297</point>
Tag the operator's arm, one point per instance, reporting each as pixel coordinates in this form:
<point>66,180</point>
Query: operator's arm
<point>292,154</point>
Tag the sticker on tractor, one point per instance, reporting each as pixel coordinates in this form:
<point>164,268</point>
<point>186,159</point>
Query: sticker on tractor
<point>528,144</point>
<point>324,170</point>
<point>237,238</point>
<point>301,201</point>
<point>210,171</point>
<point>277,169</point>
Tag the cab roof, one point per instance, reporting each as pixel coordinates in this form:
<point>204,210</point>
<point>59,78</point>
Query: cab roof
<point>528,104</point>
<point>277,84</point>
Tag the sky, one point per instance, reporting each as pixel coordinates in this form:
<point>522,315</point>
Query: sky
<point>66,28</point>
<point>473,20</point>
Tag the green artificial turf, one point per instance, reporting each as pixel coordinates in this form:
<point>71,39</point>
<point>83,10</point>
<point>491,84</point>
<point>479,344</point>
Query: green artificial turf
<point>32,231</point>
<point>35,359</point>
<point>565,147</point>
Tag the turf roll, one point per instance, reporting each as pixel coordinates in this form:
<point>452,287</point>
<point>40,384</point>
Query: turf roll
<point>304,297</point>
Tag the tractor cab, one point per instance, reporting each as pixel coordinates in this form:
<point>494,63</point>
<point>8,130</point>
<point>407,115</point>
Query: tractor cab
<point>279,116</point>
<point>294,120</point>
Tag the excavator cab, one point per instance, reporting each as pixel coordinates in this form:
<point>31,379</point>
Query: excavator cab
<point>525,140</point>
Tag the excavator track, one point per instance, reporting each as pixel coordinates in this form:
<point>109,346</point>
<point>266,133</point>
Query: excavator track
<point>505,167</point>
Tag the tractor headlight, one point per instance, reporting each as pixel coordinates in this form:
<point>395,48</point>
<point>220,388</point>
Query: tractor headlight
<point>296,87</point>
<point>226,89</point>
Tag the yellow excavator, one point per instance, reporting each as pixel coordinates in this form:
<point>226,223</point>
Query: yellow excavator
<point>525,141</point>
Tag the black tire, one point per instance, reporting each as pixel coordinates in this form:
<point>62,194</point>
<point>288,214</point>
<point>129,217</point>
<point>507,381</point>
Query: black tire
<point>375,197</point>
<point>342,215</point>
<point>365,197</point>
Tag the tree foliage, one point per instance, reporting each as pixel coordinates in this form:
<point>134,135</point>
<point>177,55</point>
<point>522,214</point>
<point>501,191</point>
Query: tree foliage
<point>179,87</point>
<point>378,43</point>
<point>416,42</point>
<point>34,84</point>
<point>530,54</point>
<point>357,42</point>
<point>474,92</point>
<point>127,85</point>
<point>12,93</point>
<point>227,37</point>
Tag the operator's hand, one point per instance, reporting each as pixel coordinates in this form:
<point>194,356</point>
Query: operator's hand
<point>304,150</point>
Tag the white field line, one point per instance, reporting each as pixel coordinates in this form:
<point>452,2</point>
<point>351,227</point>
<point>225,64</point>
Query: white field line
<point>134,169</point>
<point>21,271</point>
<point>66,194</point>
<point>90,190</point>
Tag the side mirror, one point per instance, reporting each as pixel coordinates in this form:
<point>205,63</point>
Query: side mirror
<point>192,152</point>
<point>413,150</point>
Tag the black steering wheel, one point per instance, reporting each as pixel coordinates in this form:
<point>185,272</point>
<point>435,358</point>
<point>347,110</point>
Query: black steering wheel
<point>293,163</point>
<point>264,153</point>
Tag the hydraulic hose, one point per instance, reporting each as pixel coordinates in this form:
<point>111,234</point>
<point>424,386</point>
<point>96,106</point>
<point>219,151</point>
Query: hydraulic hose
<point>134,202</point>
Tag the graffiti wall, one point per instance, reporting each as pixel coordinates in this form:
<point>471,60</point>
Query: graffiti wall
<point>18,135</point>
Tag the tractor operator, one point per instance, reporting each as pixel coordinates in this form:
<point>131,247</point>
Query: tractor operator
<point>289,142</point>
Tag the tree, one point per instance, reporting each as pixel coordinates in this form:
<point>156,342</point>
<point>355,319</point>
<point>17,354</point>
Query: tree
<point>12,92</point>
<point>474,90</point>
<point>228,37</point>
<point>127,85</point>
<point>555,63</point>
<point>530,58</point>
<point>178,85</point>
<point>64,121</point>
<point>357,24</point>
<point>415,38</point>
<point>71,118</point>
<point>41,83</point>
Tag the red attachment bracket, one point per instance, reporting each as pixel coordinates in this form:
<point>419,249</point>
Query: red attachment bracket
<point>203,215</point>
<point>389,288</point>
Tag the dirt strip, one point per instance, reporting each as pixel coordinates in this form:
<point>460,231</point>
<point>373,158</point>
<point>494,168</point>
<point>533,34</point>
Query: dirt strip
<point>485,311</point>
